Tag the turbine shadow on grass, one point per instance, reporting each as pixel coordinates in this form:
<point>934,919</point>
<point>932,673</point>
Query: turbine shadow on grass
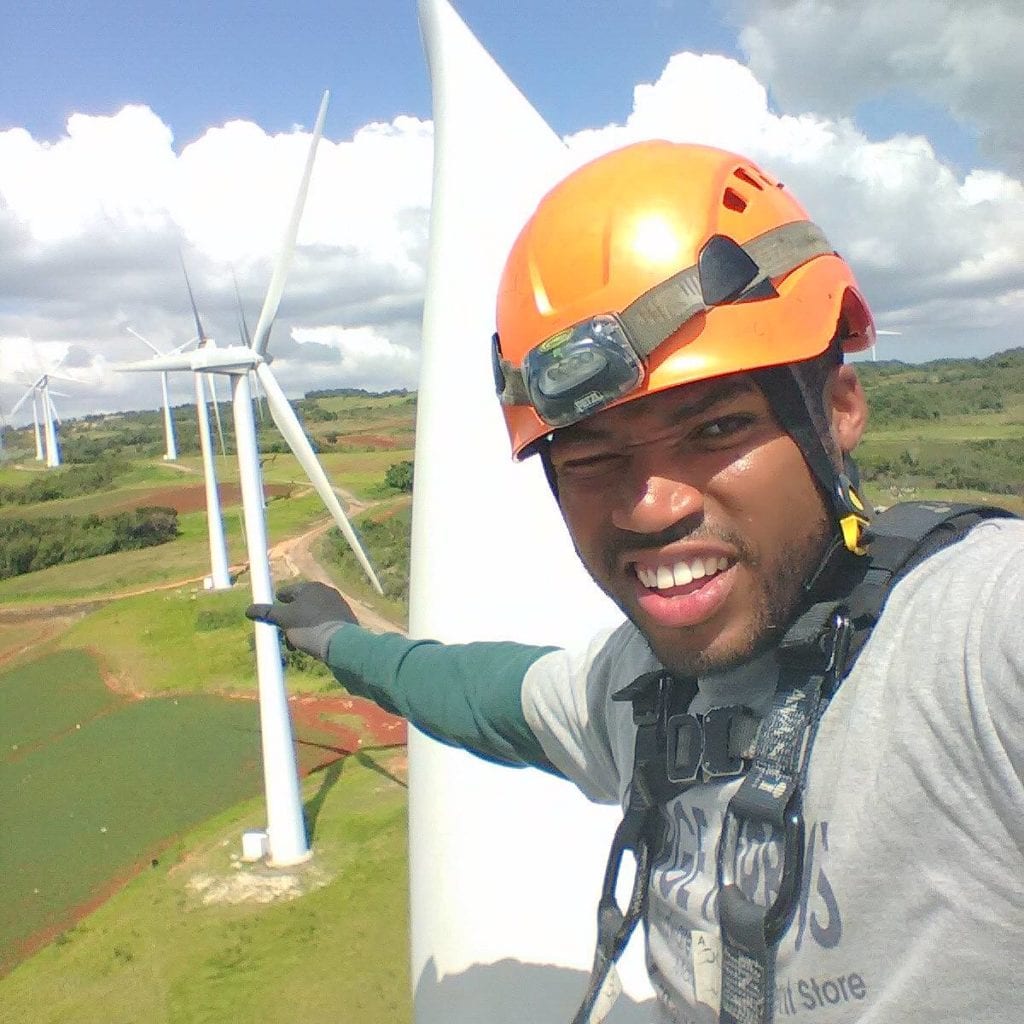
<point>332,772</point>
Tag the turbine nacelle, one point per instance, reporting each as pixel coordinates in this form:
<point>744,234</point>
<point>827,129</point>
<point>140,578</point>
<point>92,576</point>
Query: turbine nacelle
<point>234,359</point>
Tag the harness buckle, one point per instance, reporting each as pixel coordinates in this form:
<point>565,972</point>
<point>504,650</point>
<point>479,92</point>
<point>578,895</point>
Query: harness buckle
<point>751,926</point>
<point>719,762</point>
<point>699,745</point>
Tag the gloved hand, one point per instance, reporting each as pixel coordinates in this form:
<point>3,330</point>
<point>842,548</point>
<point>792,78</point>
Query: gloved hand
<point>308,615</point>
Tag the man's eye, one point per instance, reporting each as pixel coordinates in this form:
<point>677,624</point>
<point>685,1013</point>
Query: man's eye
<point>588,465</point>
<point>723,426</point>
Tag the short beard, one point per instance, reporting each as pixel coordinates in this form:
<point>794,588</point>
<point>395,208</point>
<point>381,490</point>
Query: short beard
<point>781,600</point>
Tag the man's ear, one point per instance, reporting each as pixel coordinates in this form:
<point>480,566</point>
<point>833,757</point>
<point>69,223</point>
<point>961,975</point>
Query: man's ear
<point>847,407</point>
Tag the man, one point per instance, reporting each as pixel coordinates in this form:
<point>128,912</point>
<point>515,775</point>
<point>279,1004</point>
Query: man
<point>671,331</point>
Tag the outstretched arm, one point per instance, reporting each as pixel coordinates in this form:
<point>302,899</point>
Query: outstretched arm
<point>467,695</point>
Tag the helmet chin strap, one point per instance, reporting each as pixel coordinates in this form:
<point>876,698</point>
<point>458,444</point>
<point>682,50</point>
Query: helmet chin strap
<point>848,512</point>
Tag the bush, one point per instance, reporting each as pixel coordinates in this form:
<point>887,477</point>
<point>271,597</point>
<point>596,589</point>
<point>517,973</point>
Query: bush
<point>399,477</point>
<point>27,545</point>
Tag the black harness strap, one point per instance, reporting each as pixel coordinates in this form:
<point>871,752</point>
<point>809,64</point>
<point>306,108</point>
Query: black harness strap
<point>676,749</point>
<point>815,655</point>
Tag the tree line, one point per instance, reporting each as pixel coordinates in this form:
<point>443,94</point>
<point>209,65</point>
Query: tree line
<point>68,483</point>
<point>27,545</point>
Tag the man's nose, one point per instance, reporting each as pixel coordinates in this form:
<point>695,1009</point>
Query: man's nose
<point>656,503</point>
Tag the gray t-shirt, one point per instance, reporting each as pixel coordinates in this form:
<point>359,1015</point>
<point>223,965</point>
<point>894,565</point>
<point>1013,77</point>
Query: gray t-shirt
<point>912,903</point>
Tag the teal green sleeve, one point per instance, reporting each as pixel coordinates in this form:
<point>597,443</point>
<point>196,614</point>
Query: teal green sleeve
<point>466,695</point>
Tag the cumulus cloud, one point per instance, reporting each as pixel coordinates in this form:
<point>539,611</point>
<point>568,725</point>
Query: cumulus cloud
<point>829,55</point>
<point>91,224</point>
<point>921,239</point>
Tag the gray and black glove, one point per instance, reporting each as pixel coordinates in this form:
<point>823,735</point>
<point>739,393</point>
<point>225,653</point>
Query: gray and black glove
<point>308,614</point>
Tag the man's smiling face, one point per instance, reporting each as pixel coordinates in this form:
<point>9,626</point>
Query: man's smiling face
<point>696,513</point>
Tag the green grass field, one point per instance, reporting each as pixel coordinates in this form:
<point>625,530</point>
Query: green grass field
<point>155,952</point>
<point>175,777</point>
<point>94,782</point>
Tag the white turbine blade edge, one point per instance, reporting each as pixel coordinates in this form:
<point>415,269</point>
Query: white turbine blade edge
<point>145,341</point>
<point>284,259</point>
<point>181,361</point>
<point>184,345</point>
<point>288,423</point>
<point>212,381</point>
<point>21,401</point>
<point>259,397</point>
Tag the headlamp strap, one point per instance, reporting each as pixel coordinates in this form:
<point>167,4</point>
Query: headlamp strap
<point>663,309</point>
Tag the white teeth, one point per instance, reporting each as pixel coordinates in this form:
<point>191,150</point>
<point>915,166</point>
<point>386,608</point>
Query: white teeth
<point>681,573</point>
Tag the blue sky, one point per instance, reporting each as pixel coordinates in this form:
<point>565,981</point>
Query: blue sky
<point>199,64</point>
<point>896,125</point>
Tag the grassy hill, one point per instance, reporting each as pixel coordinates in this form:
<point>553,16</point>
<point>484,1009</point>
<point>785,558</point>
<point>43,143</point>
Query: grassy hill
<point>128,755</point>
<point>952,429</point>
<point>128,719</point>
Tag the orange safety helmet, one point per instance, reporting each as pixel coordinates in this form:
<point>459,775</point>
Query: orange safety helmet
<point>691,257</point>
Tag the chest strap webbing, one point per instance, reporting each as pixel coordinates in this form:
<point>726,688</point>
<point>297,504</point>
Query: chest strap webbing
<point>815,654</point>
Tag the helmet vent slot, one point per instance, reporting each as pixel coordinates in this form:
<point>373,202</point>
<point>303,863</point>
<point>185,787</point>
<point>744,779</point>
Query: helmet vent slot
<point>744,175</point>
<point>732,200</point>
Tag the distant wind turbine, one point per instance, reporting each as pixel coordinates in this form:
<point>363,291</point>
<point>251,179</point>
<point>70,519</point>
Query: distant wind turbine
<point>47,442</point>
<point>170,441</point>
<point>285,830</point>
<point>874,346</point>
<point>220,577</point>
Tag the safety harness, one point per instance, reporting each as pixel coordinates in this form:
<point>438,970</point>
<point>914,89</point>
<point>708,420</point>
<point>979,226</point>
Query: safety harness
<point>676,750</point>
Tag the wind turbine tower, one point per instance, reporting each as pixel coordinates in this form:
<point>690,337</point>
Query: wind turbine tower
<point>286,836</point>
<point>47,442</point>
<point>170,441</point>
<point>220,577</point>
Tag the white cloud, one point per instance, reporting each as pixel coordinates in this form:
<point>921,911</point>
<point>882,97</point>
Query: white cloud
<point>917,235</point>
<point>829,55</point>
<point>360,357</point>
<point>91,225</point>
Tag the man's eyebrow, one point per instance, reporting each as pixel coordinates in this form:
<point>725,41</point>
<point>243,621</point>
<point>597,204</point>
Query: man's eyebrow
<point>723,391</point>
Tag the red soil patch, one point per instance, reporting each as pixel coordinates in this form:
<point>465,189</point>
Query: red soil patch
<point>317,715</point>
<point>376,441</point>
<point>191,497</point>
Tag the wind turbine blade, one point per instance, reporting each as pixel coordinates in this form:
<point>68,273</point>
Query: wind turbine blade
<point>21,401</point>
<point>284,258</point>
<point>145,341</point>
<point>179,361</point>
<point>212,381</point>
<point>288,423</point>
<point>53,407</point>
<point>243,327</point>
<point>184,345</point>
<point>192,300</point>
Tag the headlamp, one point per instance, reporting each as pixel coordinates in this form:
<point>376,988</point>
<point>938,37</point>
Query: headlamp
<point>580,369</point>
<point>590,365</point>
